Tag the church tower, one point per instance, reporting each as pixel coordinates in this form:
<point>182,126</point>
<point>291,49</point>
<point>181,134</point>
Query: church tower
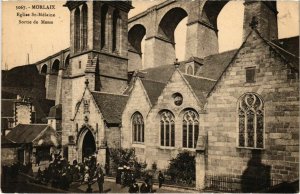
<point>98,46</point>
<point>98,53</point>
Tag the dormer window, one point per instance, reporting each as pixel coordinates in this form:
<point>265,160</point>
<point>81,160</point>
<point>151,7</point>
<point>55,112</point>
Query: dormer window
<point>250,75</point>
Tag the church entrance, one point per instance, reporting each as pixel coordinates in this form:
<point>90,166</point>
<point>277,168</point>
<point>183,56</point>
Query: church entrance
<point>88,145</point>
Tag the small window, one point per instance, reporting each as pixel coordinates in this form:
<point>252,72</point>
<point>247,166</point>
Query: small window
<point>250,74</point>
<point>79,65</point>
<point>190,70</point>
<point>138,127</point>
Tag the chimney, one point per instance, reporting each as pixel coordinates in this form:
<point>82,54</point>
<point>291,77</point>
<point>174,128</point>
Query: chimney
<point>265,14</point>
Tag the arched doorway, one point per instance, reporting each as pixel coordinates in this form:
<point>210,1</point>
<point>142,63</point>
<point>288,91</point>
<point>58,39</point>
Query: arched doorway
<point>88,145</point>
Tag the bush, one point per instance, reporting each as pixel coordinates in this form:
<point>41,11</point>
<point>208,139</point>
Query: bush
<point>121,157</point>
<point>182,168</point>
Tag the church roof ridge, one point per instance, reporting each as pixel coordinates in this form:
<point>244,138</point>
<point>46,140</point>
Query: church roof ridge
<point>199,77</point>
<point>109,93</point>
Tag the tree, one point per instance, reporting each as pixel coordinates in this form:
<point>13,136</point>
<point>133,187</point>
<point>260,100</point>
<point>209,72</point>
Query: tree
<point>182,168</point>
<point>121,157</point>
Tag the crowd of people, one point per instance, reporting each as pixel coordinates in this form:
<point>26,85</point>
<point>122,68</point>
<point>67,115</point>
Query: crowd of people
<point>126,177</point>
<point>60,174</point>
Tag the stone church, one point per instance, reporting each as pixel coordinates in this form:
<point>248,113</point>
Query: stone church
<point>236,111</point>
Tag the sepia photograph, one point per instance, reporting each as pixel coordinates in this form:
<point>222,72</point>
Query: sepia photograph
<point>150,96</point>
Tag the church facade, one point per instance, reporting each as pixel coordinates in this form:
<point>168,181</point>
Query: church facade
<point>236,112</point>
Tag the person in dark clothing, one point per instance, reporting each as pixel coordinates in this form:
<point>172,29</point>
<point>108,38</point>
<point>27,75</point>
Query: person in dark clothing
<point>119,175</point>
<point>100,181</point>
<point>161,179</point>
<point>37,160</point>
<point>145,187</point>
<point>134,188</point>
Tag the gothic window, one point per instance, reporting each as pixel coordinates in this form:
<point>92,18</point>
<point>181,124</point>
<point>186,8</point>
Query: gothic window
<point>190,70</point>
<point>138,127</point>
<point>167,129</point>
<point>104,9</point>
<point>251,121</point>
<point>77,30</point>
<point>190,129</point>
<point>84,26</point>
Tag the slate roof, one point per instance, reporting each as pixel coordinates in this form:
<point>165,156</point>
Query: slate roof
<point>159,74</point>
<point>292,46</point>
<point>200,86</point>
<point>111,106</point>
<point>26,133</point>
<point>214,65</point>
<point>7,107</point>
<point>55,112</point>
<point>4,140</point>
<point>153,89</point>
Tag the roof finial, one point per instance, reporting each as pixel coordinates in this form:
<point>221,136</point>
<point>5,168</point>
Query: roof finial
<point>86,83</point>
<point>254,23</point>
<point>176,64</point>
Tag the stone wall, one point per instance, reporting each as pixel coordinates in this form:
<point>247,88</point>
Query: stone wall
<point>51,85</point>
<point>113,137</point>
<point>137,96</point>
<point>22,113</point>
<point>153,152</point>
<point>281,124</point>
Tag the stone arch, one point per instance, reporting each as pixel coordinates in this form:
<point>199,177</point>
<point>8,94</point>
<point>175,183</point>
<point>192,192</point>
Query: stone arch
<point>77,29</point>
<point>86,143</point>
<point>84,37</point>
<point>135,37</point>
<point>55,66</point>
<point>210,11</point>
<point>169,23</point>
<point>67,61</point>
<point>44,69</point>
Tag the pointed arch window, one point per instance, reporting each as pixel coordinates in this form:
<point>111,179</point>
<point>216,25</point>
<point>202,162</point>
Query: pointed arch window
<point>84,26</point>
<point>104,10</point>
<point>190,70</point>
<point>190,129</point>
<point>138,127</point>
<point>77,30</point>
<point>167,129</point>
<point>115,31</point>
<point>251,121</point>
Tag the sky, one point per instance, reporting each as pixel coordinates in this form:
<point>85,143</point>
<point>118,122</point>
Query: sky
<point>42,40</point>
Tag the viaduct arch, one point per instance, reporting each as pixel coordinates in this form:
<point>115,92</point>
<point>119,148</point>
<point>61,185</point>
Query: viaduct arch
<point>159,23</point>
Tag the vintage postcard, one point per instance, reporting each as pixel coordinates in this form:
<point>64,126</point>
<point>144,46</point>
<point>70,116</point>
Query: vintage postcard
<point>164,96</point>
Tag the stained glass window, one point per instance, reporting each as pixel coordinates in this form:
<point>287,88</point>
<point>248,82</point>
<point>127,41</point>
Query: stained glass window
<point>251,121</point>
<point>138,127</point>
<point>167,129</point>
<point>190,129</point>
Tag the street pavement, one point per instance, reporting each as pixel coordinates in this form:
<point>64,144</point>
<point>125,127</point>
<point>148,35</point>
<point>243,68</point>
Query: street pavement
<point>22,185</point>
